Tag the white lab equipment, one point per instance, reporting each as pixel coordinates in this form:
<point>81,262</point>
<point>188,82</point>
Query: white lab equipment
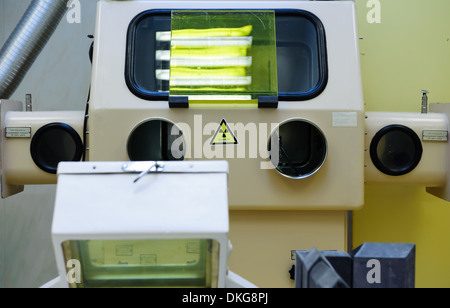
<point>145,224</point>
<point>442,191</point>
<point>299,148</point>
<point>408,148</point>
<point>317,122</point>
<point>312,129</point>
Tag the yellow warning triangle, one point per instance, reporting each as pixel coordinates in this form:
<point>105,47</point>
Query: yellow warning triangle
<point>224,135</point>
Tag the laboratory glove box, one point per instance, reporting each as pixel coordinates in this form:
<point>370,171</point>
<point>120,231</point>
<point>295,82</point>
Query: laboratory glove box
<point>285,108</point>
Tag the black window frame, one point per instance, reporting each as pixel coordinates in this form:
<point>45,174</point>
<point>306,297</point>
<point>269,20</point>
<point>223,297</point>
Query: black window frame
<point>41,160</point>
<point>413,138</point>
<point>282,96</point>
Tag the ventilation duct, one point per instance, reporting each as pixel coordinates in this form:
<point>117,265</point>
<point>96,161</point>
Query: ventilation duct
<point>27,41</point>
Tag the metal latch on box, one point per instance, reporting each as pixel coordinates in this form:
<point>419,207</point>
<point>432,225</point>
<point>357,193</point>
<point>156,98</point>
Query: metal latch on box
<point>156,167</point>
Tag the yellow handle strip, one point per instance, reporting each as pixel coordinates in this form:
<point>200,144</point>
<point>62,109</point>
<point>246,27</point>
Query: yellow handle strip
<point>227,51</point>
<point>209,89</point>
<point>222,72</point>
<point>215,32</point>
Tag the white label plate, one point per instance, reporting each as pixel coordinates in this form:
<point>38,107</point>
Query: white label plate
<point>18,132</point>
<point>345,119</point>
<point>435,135</point>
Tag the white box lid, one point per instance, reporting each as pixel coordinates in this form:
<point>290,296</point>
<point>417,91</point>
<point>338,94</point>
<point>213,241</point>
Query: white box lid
<point>102,200</point>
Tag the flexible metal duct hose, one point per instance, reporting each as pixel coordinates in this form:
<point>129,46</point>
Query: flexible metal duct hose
<point>27,41</point>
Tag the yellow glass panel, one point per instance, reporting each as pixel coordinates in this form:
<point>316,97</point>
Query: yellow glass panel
<point>223,56</point>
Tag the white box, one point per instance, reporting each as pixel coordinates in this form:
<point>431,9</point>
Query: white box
<point>102,202</point>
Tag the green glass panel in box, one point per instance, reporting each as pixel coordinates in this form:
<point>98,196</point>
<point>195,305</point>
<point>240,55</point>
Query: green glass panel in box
<point>222,56</point>
<point>152,263</point>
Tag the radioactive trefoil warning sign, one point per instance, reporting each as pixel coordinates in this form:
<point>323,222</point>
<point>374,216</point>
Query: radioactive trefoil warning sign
<point>224,135</point>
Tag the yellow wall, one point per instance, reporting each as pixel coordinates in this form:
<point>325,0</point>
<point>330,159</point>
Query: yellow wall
<point>405,53</point>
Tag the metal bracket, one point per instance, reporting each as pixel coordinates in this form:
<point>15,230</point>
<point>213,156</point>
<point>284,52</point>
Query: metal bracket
<point>156,167</point>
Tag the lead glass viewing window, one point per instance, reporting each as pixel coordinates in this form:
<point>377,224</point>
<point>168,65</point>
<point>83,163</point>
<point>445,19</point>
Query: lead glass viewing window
<point>301,58</point>
<point>152,263</point>
<point>223,55</point>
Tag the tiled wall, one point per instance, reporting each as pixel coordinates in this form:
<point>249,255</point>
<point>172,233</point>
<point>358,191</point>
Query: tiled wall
<point>59,80</point>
